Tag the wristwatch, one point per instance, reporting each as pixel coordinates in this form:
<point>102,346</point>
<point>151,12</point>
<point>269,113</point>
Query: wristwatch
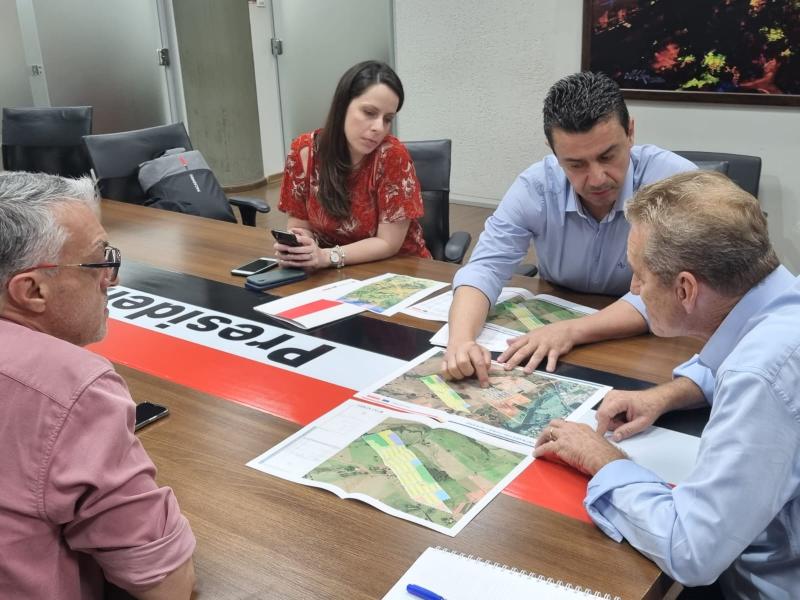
<point>337,257</point>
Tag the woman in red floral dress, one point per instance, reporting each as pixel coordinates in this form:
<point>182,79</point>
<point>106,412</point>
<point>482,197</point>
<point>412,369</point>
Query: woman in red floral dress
<point>350,188</point>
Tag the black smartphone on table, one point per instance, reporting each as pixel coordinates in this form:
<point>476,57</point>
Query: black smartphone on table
<point>148,412</point>
<point>285,237</point>
<point>259,265</point>
<point>264,281</point>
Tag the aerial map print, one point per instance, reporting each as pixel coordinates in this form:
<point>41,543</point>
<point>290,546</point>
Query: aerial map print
<point>524,315</point>
<point>515,402</point>
<point>382,295</point>
<point>407,465</point>
<point>433,474</point>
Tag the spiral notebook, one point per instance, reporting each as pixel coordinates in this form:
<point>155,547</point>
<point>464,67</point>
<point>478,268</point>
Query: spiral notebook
<point>456,576</point>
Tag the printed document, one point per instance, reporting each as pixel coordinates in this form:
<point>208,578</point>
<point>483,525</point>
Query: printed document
<point>314,307</point>
<point>389,293</point>
<point>517,315</point>
<point>408,466</point>
<point>515,407</point>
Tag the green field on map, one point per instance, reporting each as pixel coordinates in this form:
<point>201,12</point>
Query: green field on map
<point>433,474</point>
<point>524,315</point>
<point>386,293</point>
<point>523,404</point>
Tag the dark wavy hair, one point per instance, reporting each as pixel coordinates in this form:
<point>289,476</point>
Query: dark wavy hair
<point>580,101</point>
<point>332,150</point>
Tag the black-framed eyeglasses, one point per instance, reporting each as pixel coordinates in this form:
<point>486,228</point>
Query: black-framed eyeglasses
<point>112,262</point>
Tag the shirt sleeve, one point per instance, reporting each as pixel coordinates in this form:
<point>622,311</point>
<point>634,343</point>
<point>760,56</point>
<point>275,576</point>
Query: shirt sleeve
<point>636,301</point>
<point>658,164</point>
<point>741,481</point>
<point>294,185</point>
<point>700,374</point>
<point>398,190</point>
<point>101,490</point>
<point>506,237</point>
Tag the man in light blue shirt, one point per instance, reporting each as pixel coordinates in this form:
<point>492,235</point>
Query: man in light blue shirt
<point>571,206</point>
<point>703,266</point>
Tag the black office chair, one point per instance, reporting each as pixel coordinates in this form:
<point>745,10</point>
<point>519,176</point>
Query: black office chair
<point>47,140</point>
<point>432,163</point>
<point>743,169</point>
<point>116,157</point>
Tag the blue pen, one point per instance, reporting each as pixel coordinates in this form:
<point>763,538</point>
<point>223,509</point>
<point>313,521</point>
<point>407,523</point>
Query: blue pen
<point>421,592</point>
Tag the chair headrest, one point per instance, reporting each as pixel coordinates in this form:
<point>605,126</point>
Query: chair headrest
<point>59,126</point>
<point>120,154</point>
<point>720,166</point>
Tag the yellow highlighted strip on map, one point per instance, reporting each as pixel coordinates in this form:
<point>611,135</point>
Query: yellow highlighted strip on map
<point>525,317</point>
<point>445,393</point>
<point>412,474</point>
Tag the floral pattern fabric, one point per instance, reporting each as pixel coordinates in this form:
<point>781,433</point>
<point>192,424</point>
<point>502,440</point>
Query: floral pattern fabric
<point>383,189</point>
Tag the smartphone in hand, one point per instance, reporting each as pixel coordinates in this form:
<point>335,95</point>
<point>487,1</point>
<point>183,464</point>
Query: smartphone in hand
<point>257,266</point>
<point>285,237</point>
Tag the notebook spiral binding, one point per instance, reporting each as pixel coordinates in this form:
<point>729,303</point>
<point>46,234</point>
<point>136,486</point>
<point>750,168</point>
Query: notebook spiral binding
<point>532,575</point>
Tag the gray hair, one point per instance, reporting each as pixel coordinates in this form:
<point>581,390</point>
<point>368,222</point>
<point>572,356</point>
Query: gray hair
<point>703,223</point>
<point>30,233</point>
<point>578,102</point>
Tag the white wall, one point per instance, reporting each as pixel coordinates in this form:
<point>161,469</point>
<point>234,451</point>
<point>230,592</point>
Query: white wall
<point>773,133</point>
<point>321,40</point>
<point>477,72</point>
<point>15,88</point>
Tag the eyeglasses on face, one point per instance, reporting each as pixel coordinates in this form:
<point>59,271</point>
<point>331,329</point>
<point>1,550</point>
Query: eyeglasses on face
<point>112,262</point>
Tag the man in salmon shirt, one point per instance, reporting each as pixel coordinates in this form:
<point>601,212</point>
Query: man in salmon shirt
<point>80,505</point>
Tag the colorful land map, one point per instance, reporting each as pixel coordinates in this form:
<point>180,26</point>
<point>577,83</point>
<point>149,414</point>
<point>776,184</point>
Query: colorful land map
<point>524,315</point>
<point>433,474</point>
<point>523,404</point>
<point>384,294</point>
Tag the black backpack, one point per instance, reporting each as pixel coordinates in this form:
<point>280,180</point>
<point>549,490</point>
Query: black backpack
<point>181,181</point>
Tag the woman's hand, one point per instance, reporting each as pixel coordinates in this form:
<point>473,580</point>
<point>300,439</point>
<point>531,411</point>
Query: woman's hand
<point>307,256</point>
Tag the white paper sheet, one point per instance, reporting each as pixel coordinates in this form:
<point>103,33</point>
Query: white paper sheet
<point>669,454</point>
<point>319,316</point>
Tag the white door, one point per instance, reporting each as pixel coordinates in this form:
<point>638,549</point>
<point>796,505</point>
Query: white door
<point>320,40</point>
<point>101,53</point>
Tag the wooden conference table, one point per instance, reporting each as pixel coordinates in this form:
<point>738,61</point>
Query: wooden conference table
<point>262,537</point>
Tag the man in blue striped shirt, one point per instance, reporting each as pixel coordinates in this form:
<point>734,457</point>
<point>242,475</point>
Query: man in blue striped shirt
<point>571,206</point>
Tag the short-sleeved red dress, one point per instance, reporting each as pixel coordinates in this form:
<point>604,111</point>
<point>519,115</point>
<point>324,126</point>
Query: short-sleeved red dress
<point>383,189</point>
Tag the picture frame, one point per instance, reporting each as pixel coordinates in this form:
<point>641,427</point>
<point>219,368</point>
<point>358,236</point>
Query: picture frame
<point>724,51</point>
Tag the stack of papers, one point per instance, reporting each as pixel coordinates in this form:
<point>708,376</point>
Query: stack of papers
<point>432,451</point>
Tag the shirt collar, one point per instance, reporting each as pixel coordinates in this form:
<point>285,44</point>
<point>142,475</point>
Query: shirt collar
<point>626,191</point>
<point>734,326</point>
